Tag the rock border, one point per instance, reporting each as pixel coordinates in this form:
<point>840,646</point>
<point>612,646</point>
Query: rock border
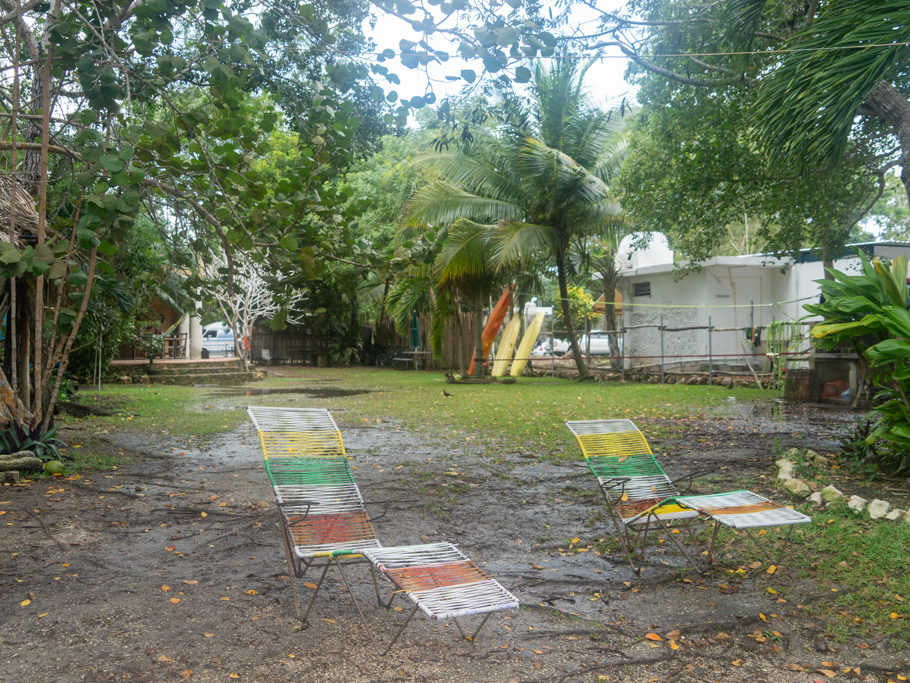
<point>877,509</point>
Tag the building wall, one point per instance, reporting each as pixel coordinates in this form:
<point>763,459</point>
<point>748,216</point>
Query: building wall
<point>735,292</point>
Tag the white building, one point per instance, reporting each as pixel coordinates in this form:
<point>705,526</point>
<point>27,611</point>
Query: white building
<point>738,295</point>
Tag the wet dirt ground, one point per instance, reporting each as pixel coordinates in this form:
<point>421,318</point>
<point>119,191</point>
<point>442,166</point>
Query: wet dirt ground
<point>172,569</point>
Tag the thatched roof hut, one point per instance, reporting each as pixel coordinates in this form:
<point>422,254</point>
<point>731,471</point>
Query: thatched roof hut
<point>26,218</point>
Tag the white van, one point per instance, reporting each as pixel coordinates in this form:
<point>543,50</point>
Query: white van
<point>217,340</point>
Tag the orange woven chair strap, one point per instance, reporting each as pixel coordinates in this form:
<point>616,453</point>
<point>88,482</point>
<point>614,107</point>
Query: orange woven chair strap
<point>311,530</point>
<point>741,509</point>
<point>434,576</point>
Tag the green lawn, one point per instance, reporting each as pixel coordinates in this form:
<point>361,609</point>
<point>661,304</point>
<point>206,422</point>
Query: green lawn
<point>528,414</point>
<point>854,563</point>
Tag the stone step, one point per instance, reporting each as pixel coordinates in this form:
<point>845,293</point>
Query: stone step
<point>177,369</point>
<point>188,378</point>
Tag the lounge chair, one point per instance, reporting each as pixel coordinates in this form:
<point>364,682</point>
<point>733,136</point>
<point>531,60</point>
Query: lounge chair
<point>323,523</point>
<point>641,498</point>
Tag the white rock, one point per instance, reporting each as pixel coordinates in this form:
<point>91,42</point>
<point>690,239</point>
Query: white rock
<point>784,468</point>
<point>879,508</point>
<point>812,455</point>
<point>907,517</point>
<point>857,503</point>
<point>797,487</point>
<point>792,453</point>
<point>895,515</point>
<point>831,493</point>
<point>816,499</point>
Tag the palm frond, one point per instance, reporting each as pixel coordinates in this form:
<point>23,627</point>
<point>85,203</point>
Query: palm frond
<point>806,107</point>
<point>466,254</point>
<point>518,242</point>
<point>441,203</point>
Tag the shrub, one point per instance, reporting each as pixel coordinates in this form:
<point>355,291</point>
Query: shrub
<point>870,312</point>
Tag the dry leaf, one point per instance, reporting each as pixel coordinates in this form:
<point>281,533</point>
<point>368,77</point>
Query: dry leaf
<point>310,585</point>
<point>164,658</point>
<point>187,674</point>
<point>25,603</point>
<point>203,514</point>
<point>828,673</point>
<point>175,601</point>
<point>653,636</point>
<point>673,635</point>
<point>330,621</point>
<point>208,635</point>
<point>165,588</point>
<point>233,675</point>
<point>673,645</point>
<point>170,548</point>
<point>792,667</point>
<point>771,569</point>
<point>190,582</point>
<point>43,614</point>
<point>762,617</point>
<point>252,591</point>
<point>737,662</point>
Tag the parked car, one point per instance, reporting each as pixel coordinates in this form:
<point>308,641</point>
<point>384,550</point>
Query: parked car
<point>599,341</point>
<point>217,340</point>
<point>550,347</point>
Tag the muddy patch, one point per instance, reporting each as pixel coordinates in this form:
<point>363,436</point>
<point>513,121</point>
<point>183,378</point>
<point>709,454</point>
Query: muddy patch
<point>172,569</point>
<point>308,391</point>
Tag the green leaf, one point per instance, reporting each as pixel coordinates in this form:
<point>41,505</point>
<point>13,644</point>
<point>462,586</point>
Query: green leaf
<point>288,242</point>
<point>522,74</point>
<point>468,75</point>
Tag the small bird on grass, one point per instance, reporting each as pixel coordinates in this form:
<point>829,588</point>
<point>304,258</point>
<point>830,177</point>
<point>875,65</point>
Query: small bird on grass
<point>446,393</point>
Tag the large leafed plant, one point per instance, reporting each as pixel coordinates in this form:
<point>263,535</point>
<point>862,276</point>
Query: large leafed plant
<point>870,312</point>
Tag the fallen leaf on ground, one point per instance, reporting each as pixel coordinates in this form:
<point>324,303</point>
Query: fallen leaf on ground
<point>653,636</point>
<point>190,582</point>
<point>164,658</point>
<point>187,674</point>
<point>175,601</point>
<point>165,588</point>
<point>828,673</point>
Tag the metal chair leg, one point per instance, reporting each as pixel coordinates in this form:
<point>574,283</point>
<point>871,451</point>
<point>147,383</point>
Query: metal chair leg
<point>400,631</point>
<point>325,569</point>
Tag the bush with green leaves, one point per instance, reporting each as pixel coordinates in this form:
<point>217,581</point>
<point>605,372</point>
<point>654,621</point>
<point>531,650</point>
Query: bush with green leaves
<point>870,312</point>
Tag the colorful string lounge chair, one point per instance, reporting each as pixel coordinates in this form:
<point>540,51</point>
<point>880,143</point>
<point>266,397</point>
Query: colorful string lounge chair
<point>641,498</point>
<point>441,582</point>
<point>323,519</point>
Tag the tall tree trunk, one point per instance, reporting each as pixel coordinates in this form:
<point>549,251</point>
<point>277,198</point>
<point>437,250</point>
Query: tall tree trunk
<point>478,334</point>
<point>887,103</point>
<point>459,342</point>
<point>567,312</point>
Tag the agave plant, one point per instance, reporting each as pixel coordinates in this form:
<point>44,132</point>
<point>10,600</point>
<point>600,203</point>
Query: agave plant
<point>44,444</point>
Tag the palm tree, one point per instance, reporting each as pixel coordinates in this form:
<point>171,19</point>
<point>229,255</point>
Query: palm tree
<point>533,188</point>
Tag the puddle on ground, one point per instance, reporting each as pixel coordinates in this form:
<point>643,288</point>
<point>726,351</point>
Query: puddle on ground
<point>314,392</point>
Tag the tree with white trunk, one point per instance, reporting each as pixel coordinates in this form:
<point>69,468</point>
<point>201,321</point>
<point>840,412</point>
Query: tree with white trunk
<point>245,297</point>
